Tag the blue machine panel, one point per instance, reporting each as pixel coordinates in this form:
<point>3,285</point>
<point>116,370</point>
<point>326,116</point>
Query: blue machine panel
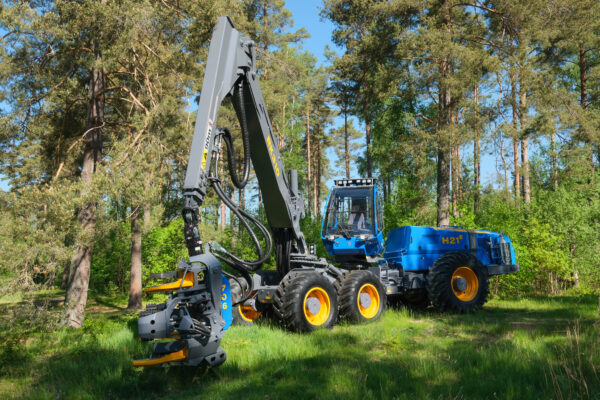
<point>226,302</point>
<point>416,247</point>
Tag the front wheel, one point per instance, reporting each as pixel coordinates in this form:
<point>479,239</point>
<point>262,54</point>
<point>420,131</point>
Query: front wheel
<point>362,297</point>
<point>306,301</point>
<point>457,282</point>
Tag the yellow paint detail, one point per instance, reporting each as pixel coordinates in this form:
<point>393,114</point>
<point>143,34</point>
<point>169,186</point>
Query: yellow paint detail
<point>204,158</point>
<point>248,313</point>
<point>472,284</point>
<point>171,357</point>
<point>324,312</point>
<point>451,239</point>
<point>272,154</point>
<point>188,282</point>
<point>373,309</point>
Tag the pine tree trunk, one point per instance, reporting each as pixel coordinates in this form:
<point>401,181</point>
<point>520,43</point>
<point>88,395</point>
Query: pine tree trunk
<point>308,160</point>
<point>584,98</point>
<point>346,145</point>
<point>476,158</point>
<point>368,151</point>
<point>135,276</point>
<point>445,121</point>
<point>318,181</point>
<point>221,203</point>
<point>515,115</point>
<point>77,291</point>
<point>524,146</point>
<point>454,171</point>
<point>554,162</point>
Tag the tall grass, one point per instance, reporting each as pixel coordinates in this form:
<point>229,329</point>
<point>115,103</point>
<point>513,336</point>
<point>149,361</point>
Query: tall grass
<point>523,349</point>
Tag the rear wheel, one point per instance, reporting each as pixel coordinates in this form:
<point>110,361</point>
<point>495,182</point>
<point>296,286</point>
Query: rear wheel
<point>362,297</point>
<point>306,301</point>
<point>457,282</point>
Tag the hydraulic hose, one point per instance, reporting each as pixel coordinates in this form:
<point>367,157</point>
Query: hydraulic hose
<point>244,267</point>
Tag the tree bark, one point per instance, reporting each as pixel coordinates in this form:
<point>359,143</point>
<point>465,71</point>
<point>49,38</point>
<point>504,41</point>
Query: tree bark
<point>368,151</point>
<point>308,160</point>
<point>554,162</point>
<point>524,145</point>
<point>444,122</point>
<point>476,157</point>
<point>515,115</point>
<point>454,175</point>
<point>135,276</point>
<point>584,98</point>
<point>77,291</point>
<point>346,145</point>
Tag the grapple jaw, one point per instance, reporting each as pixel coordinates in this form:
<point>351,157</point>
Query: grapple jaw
<point>194,318</point>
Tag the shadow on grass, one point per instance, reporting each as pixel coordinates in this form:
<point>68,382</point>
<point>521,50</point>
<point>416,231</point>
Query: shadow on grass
<point>340,364</point>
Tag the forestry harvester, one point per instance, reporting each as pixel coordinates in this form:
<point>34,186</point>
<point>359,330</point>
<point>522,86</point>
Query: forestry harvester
<point>305,292</point>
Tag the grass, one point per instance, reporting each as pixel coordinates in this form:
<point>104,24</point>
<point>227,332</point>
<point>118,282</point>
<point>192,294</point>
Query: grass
<point>538,348</point>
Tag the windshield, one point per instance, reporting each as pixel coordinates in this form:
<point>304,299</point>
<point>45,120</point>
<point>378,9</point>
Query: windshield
<point>350,212</point>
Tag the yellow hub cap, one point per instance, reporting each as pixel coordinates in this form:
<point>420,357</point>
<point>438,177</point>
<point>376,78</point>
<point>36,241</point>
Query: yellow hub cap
<point>317,306</point>
<point>464,283</point>
<point>248,313</point>
<point>368,301</point>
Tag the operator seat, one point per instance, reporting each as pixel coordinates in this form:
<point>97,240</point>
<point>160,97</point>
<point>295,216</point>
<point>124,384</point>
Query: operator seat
<point>357,217</point>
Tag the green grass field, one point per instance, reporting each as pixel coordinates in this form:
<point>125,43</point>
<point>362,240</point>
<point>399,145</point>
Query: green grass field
<point>539,348</point>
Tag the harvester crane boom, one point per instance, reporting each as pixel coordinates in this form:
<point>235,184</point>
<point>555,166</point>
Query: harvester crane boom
<point>231,71</point>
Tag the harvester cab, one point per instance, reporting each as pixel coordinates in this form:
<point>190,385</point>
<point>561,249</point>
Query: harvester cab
<point>352,230</point>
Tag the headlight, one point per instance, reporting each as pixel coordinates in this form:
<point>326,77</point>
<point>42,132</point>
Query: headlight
<point>330,237</point>
<point>364,237</point>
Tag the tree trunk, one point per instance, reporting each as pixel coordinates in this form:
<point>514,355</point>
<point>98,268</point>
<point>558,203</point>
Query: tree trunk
<point>584,99</point>
<point>524,145</point>
<point>476,158</point>
<point>77,291</point>
<point>554,162</point>
<point>308,149</point>
<point>368,152</point>
<point>222,210</point>
<point>454,176</point>
<point>318,181</point>
<point>515,115</point>
<point>346,145</point>
<point>135,276</point>
<point>444,122</point>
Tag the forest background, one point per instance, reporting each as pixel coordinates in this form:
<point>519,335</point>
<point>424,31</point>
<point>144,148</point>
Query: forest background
<point>98,101</point>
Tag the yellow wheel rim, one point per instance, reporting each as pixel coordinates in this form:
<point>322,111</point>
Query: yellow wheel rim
<point>248,313</point>
<point>472,288</point>
<point>373,306</point>
<point>313,296</point>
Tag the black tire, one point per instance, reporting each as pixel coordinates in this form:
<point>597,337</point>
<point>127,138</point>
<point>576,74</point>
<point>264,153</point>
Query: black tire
<point>291,302</point>
<point>440,288</point>
<point>349,291</point>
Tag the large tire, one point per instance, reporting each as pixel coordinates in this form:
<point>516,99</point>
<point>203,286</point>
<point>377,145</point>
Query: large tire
<point>457,282</point>
<point>362,297</point>
<point>306,301</point>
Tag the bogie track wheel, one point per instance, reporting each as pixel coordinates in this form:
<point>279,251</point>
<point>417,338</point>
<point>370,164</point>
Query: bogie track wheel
<point>457,282</point>
<point>306,301</point>
<point>362,297</point>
